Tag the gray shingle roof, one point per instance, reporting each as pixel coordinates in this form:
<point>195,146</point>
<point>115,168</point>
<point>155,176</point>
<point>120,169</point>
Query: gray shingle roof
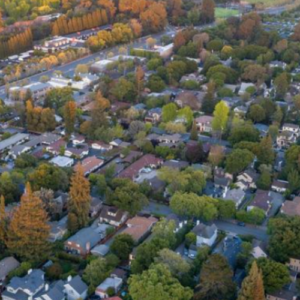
<point>78,285</point>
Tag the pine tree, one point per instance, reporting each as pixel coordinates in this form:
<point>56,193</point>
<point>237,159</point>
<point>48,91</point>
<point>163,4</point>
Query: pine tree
<point>28,230</point>
<point>253,286</point>
<point>79,202</point>
<point>139,76</point>
<point>70,115</point>
<point>194,132</point>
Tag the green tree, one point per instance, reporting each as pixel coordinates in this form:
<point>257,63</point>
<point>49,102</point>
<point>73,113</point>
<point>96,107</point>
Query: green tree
<point>215,279</point>
<point>164,230</point>
<point>238,160</point>
<point>266,153</point>
<point>157,283</point>
<point>281,84</point>
<point>126,195</point>
<point>253,286</point>
<point>122,246</point>
<point>177,265</point>
<point>220,119</point>
<point>257,113</point>
<point>226,209</point>
<point>264,181</point>
<point>294,180</point>
<point>275,275</point>
<point>243,133</point>
<point>96,271</point>
<point>284,238</point>
<point>169,112</point>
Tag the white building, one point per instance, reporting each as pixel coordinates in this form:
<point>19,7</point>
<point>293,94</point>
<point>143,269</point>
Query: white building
<point>110,282</point>
<point>62,161</point>
<point>206,235</point>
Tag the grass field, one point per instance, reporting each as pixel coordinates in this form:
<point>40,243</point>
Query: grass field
<point>224,13</point>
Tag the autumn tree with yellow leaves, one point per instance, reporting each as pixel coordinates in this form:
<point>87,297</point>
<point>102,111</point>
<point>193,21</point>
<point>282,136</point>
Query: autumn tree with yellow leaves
<point>70,116</point>
<point>79,200</point>
<point>28,231</point>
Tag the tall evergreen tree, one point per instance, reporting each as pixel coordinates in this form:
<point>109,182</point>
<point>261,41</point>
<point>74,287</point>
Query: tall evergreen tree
<point>3,223</point>
<point>253,286</point>
<point>194,132</point>
<point>28,230</point>
<point>80,200</point>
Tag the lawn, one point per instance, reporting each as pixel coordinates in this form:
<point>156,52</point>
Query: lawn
<point>224,13</point>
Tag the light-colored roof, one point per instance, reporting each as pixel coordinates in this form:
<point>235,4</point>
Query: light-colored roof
<point>291,208</point>
<point>13,140</point>
<point>62,161</point>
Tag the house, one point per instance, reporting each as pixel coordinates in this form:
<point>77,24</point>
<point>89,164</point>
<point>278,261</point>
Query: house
<point>17,150</point>
<point>153,115</point>
<point>75,288</point>
<point>83,241</point>
<point>222,179</point>
<point>90,164</point>
<point>247,180</point>
<point>203,124</point>
<point>262,200</point>
<point>206,234</point>
<point>262,128</point>
<point>12,141</point>
<point>79,152</point>
<point>244,87</point>
<point>240,110</point>
<point>111,282</point>
<point>62,161</point>
<point>96,205</point>
<point>235,195</point>
<point>285,139</point>
<point>7,265</point>
<point>100,250</point>
<point>294,264</point>
<point>175,164</point>
<point>57,43</point>
<point>293,128</point>
<point>279,186</point>
<point>78,139</point>
<point>56,147</point>
<point>58,229</point>
<point>291,208</point>
<point>191,99</point>
<point>139,227</point>
<point>141,165</point>
<point>278,64</point>
<point>55,291</point>
<point>113,216</point>
<point>98,145</point>
<point>259,249</point>
<point>25,288</point>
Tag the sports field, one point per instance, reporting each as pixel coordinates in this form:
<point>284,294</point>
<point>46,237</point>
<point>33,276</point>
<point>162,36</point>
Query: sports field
<point>224,13</point>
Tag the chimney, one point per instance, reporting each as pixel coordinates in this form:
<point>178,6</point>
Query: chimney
<point>46,287</point>
<point>29,271</point>
<point>198,222</point>
<point>69,278</point>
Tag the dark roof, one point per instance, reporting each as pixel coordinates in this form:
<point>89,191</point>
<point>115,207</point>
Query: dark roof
<point>262,200</point>
<point>112,213</point>
<point>175,164</point>
<point>206,231</point>
<point>78,285</point>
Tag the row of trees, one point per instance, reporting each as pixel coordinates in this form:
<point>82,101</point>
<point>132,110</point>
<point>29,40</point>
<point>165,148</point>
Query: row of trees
<point>16,44</point>
<point>94,19</point>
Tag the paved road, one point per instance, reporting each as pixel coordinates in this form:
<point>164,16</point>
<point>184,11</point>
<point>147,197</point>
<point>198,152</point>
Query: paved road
<point>258,231</point>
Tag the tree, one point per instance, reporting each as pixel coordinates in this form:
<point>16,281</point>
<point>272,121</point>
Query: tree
<point>175,127</point>
<point>194,132</point>
<point>296,34</point>
<point>244,132</point>
<point>264,182</point>
<point>226,209</point>
<point>194,152</point>
<point>191,205</point>
<point>154,18</point>
<point>207,11</point>
<point>255,73</point>
<point>81,69</point>
<point>165,230</point>
<point>254,216</point>
<point>3,223</point>
<point>253,286</point>
<point>122,246</point>
<point>281,84</point>
<point>275,275</point>
<point>169,112</point>
<point>294,180</point>
<point>284,238</point>
<point>177,265</point>
<point>188,180</point>
<point>28,231</point>
<point>69,116</point>
<point>238,160</point>
<point>127,196</point>
<point>215,279</point>
<point>157,283</point>
<point>266,154</point>
<point>80,199</point>
<point>220,119</point>
<point>257,113</point>
<point>216,155</point>
<point>96,271</point>
<point>139,78</point>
